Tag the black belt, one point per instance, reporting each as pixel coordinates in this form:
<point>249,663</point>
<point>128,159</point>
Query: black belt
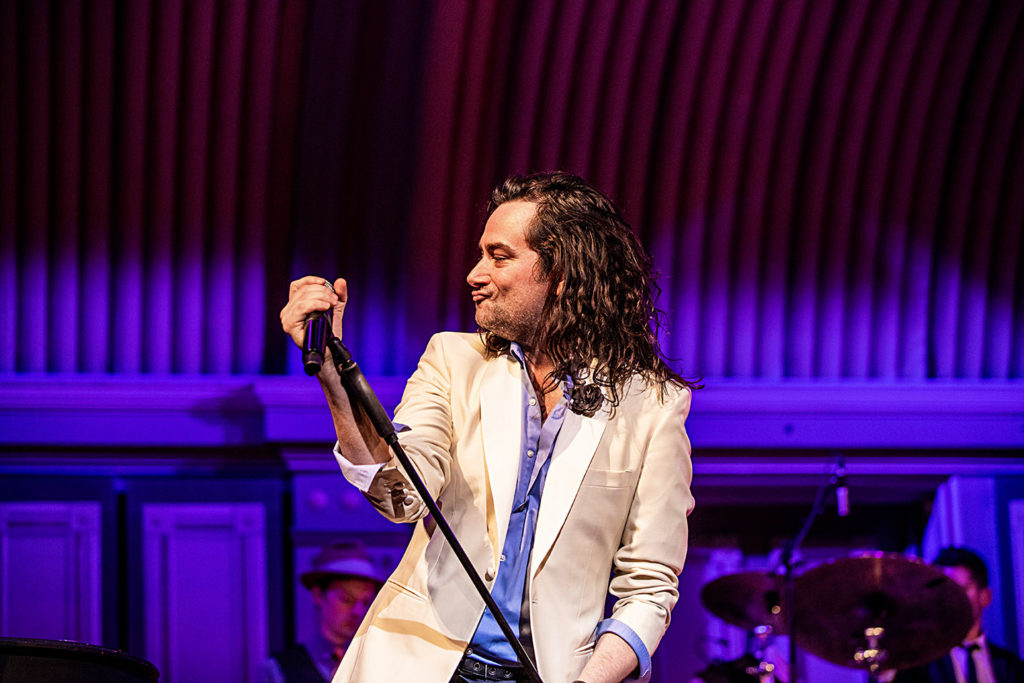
<point>491,672</point>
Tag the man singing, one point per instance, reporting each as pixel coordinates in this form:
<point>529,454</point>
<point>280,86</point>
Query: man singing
<point>553,441</point>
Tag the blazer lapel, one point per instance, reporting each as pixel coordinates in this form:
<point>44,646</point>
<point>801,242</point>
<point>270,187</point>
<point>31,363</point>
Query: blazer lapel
<point>574,449</point>
<point>501,398</point>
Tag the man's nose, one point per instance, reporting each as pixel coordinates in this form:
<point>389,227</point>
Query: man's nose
<point>478,275</point>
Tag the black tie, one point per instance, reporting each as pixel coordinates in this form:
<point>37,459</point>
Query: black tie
<point>972,672</point>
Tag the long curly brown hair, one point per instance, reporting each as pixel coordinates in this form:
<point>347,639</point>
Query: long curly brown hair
<point>602,328</point>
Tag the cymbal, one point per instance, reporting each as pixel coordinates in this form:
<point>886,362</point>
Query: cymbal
<point>747,599</point>
<point>923,612</point>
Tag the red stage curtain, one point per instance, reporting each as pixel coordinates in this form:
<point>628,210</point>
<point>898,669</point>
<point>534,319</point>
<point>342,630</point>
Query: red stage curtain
<point>829,189</point>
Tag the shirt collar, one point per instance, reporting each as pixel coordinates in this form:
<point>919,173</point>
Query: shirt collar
<point>517,352</point>
<point>979,641</point>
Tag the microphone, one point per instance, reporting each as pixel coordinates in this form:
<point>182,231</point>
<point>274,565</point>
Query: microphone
<point>354,380</point>
<point>842,492</point>
<point>318,330</point>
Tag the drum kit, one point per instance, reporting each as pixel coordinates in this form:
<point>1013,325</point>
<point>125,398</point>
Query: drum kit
<point>872,611</point>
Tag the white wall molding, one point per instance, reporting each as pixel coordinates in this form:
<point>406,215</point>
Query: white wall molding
<point>50,582</point>
<point>205,590</point>
<point>92,411</point>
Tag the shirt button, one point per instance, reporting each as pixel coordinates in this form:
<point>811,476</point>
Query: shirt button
<point>533,401</point>
<point>529,453</point>
<point>502,558</point>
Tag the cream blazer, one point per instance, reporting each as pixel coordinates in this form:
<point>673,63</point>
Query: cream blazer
<point>614,507</point>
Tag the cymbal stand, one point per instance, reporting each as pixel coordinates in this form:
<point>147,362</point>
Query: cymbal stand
<point>789,550</point>
<point>765,670</point>
<point>872,655</point>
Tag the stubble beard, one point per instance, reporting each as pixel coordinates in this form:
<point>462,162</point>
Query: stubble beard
<point>519,327</point>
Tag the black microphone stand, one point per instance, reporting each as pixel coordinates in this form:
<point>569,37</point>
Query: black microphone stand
<point>789,549</point>
<point>356,383</point>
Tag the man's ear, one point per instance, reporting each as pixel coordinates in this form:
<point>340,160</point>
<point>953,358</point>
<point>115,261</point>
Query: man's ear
<point>985,597</point>
<point>318,595</point>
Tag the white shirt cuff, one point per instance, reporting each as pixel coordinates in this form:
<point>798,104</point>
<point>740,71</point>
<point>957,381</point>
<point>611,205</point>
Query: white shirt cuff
<point>360,476</point>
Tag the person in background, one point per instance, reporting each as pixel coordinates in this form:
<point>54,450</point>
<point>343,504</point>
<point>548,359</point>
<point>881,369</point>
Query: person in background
<point>977,660</point>
<point>343,581</point>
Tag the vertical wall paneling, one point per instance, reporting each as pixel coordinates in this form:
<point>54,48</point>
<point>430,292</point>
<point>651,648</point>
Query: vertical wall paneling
<point>34,169</point>
<point>94,323</point>
<point>229,114</point>
<point>759,203</point>
<point>198,184</point>
<point>1017,549</point>
<point>789,217</point>
<point>431,196</point>
<point>970,211</point>
<point>131,155</point>
<point>163,184</point>
<point>275,263</point>
<point>65,296</point>
<point>255,185</point>
<point>964,513</point>
<point>644,82</point>
<point>852,247</point>
<point>388,142</point>
<point>9,106</point>
<point>557,88</point>
<point>527,76</point>
<point>610,137</point>
<point>476,58</point>
<point>595,51</point>
<point>50,583</point>
<point>828,189</point>
<point>744,237</point>
<point>1012,214</point>
<point>996,268</point>
<point>953,239</point>
<point>135,195</point>
<point>205,620</point>
<point>710,112</point>
<point>674,224</point>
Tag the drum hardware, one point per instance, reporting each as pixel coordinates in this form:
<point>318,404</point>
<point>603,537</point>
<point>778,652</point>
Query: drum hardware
<point>867,611</point>
<point>752,601</point>
<point>765,670</point>
<point>871,611</point>
<point>906,612</point>
<point>871,655</point>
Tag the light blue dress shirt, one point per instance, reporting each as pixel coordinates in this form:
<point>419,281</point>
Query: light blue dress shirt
<point>538,441</point>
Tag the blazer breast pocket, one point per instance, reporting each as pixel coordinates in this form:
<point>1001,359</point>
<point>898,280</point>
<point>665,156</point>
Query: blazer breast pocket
<point>611,479</point>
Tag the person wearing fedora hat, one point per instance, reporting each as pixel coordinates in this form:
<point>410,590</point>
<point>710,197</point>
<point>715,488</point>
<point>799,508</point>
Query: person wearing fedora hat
<point>342,581</point>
